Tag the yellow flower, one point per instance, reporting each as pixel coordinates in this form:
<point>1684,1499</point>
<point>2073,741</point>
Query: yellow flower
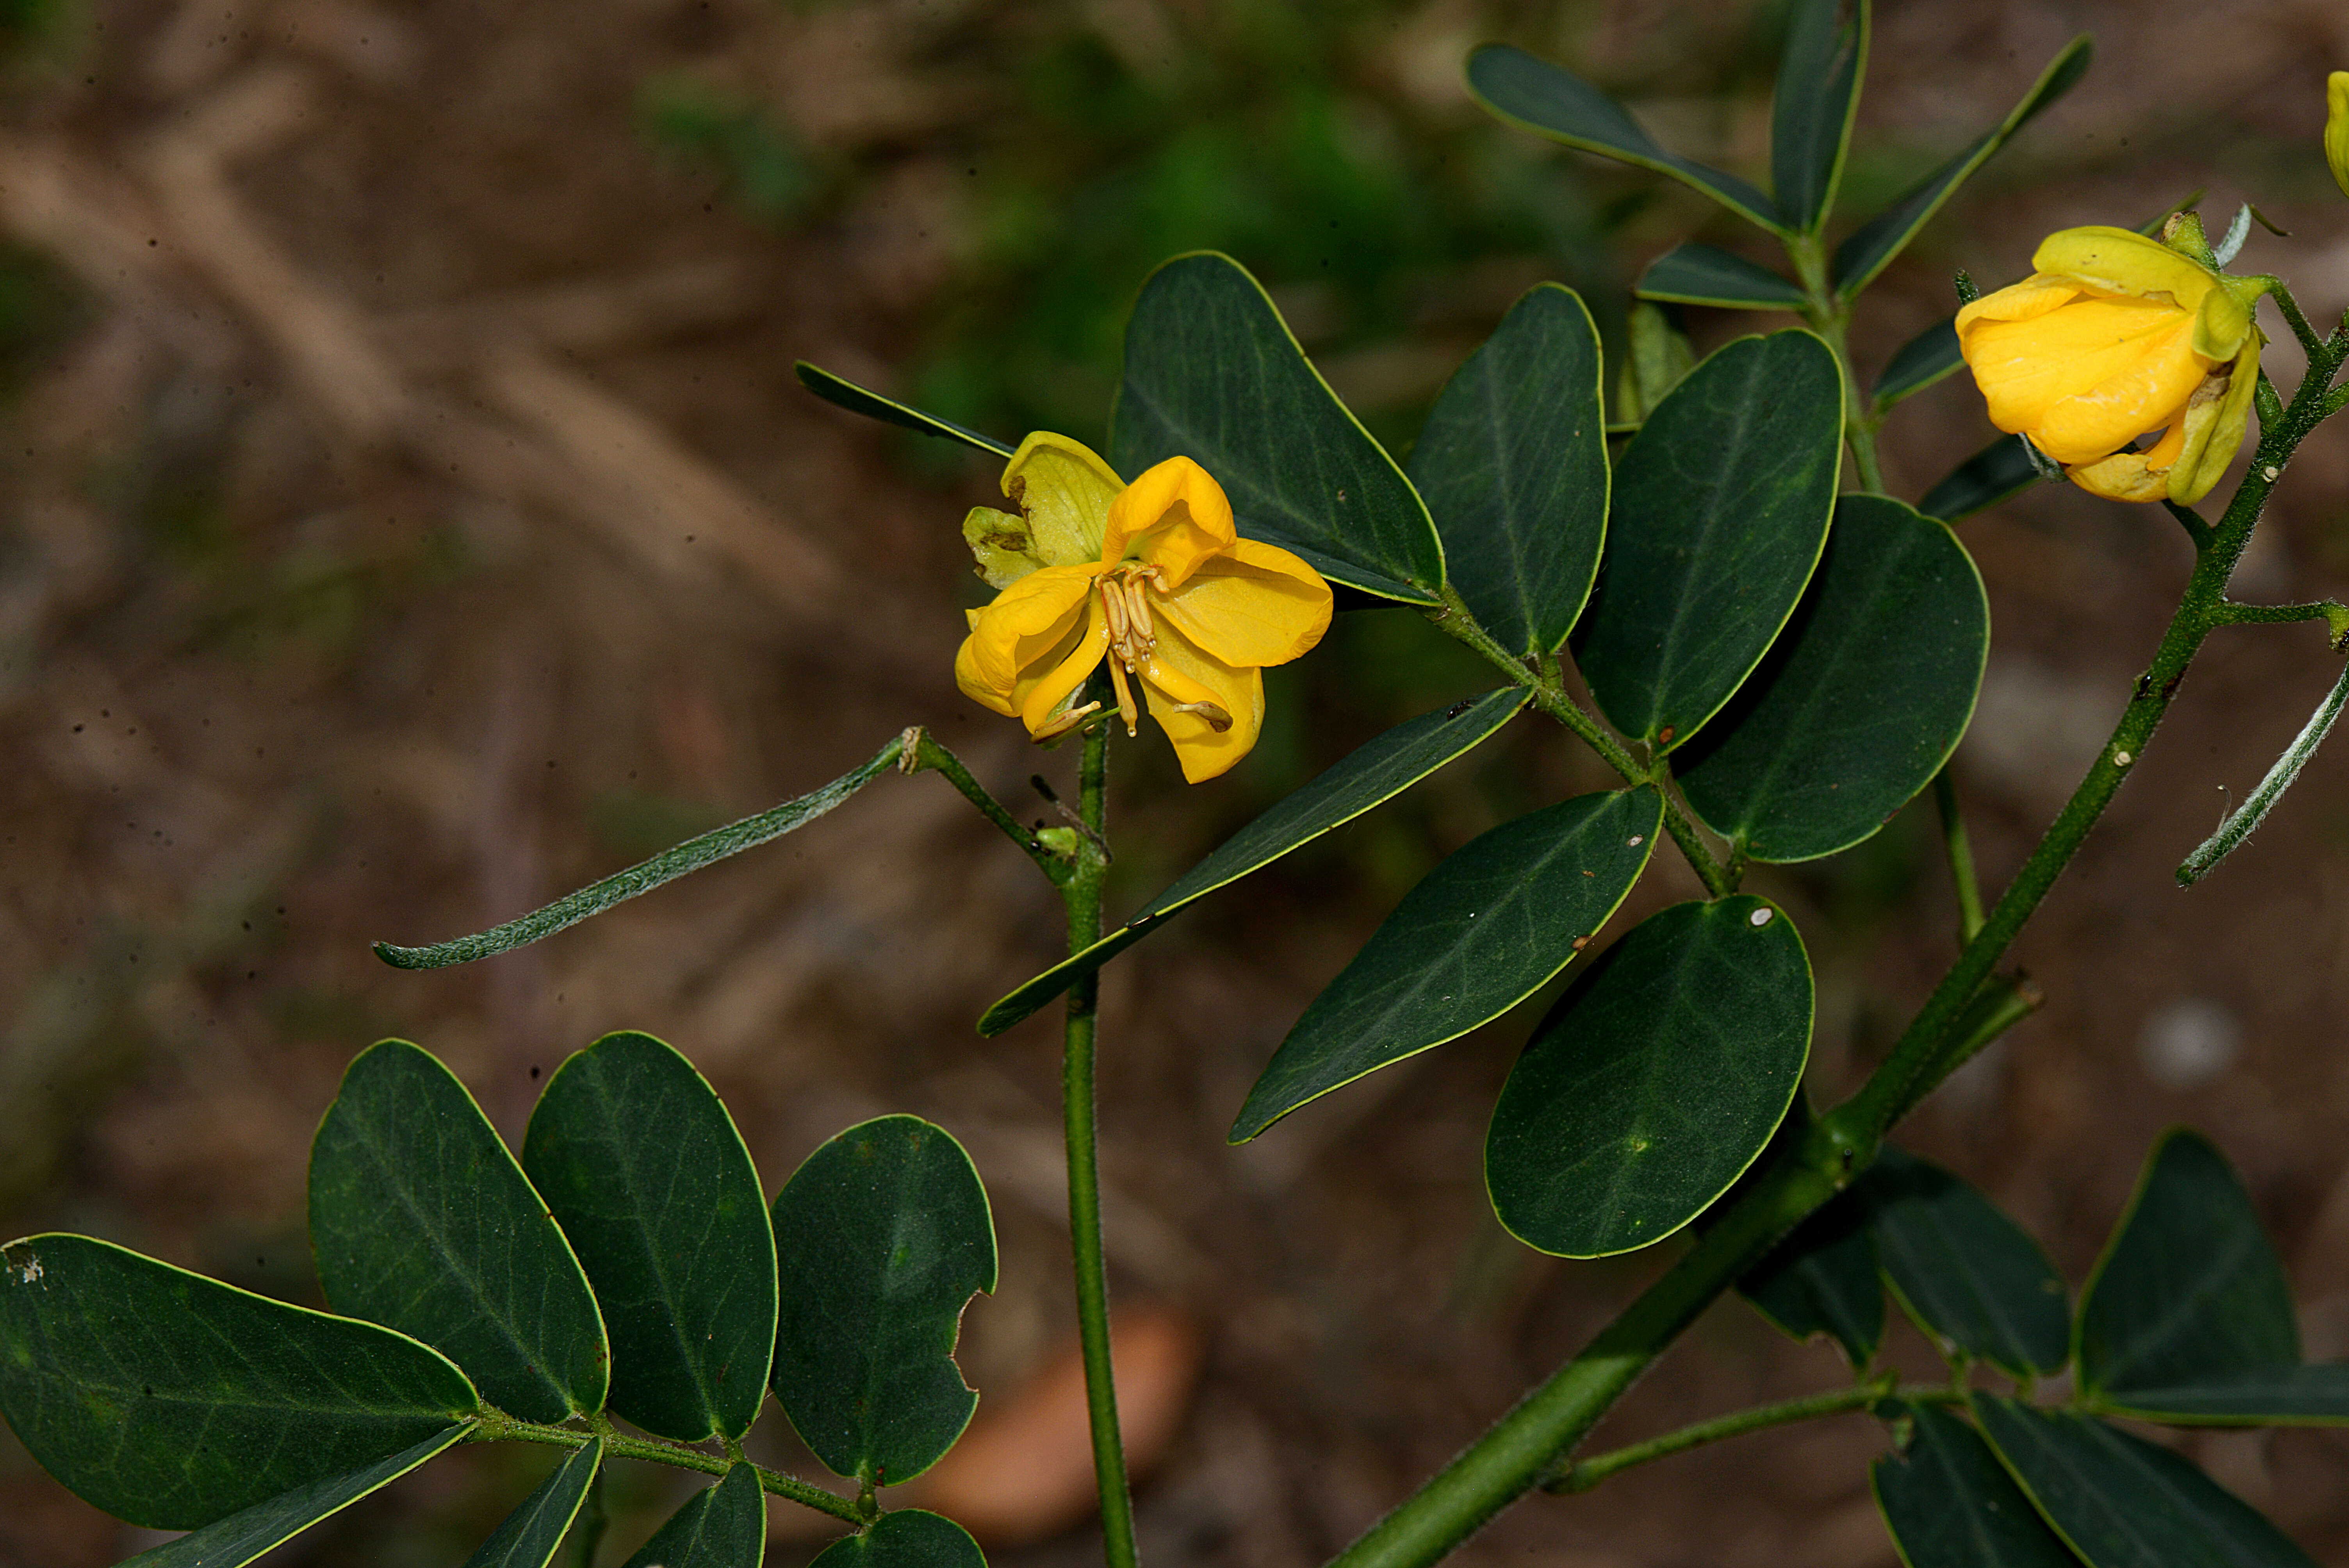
<point>2113,336</point>
<point>2336,128</point>
<point>1152,576</point>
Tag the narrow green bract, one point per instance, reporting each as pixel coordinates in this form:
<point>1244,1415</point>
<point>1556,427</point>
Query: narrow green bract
<point>649,1179</point>
<point>1513,465</point>
<point>1481,932</point>
<point>1213,374</point>
<point>420,1220</point>
<point>172,1400</point>
<point>1655,1082</point>
<point>883,1235</point>
<point>1721,510</point>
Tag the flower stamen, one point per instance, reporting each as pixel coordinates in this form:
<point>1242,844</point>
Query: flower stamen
<point>1061,724</point>
<point>1218,719</point>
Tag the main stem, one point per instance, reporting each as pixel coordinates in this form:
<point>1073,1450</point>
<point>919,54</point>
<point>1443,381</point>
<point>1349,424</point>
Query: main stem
<point>1525,1445</point>
<point>1081,895</point>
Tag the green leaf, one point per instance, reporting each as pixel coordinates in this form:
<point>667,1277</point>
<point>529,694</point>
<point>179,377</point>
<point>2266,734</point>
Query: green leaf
<point>1919,363</point>
<point>1871,248</point>
<point>722,1526</point>
<point>1655,1082</point>
<point>884,1236</point>
<point>1822,1279</point>
<point>1721,510</point>
<point>644,1172</point>
<point>171,1400</point>
<point>1701,275</point>
<point>1513,464</point>
<point>421,1221</point>
<point>2121,1502</point>
<point>2000,471</point>
<point>1213,373</point>
<point>1492,924</point>
<point>1970,1275</point>
<point>1370,775</point>
<point>645,875</point>
<point>530,1533</point>
<point>1535,96</point>
<point>1947,1503</point>
<point>842,393</point>
<point>1861,699</point>
<point>904,1538</point>
<point>2188,1315</point>
<point>246,1536</point>
<point>1812,108</point>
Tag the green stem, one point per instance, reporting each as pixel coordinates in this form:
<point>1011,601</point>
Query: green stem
<point>1961,854</point>
<point>500,1429</point>
<point>1831,319</point>
<point>2334,614</point>
<point>2292,313</point>
<point>1548,688</point>
<point>1081,895</point>
<point>1585,1474</point>
<point>1526,1443</point>
<point>928,756</point>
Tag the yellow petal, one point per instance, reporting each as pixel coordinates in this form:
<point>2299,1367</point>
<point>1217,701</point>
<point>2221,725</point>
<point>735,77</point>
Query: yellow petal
<point>1065,490</point>
<point>2336,128</point>
<point>2121,261</point>
<point>2214,433</point>
<point>1021,636</point>
<point>1254,604</point>
<point>1174,517</point>
<point>1000,543</point>
<point>1053,686</point>
<point>1177,672</point>
<point>2085,379</point>
<point>2032,297</point>
<point>2124,476</point>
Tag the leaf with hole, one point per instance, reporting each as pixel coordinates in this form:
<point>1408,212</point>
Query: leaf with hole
<point>1970,1275</point>
<point>1212,374</point>
<point>2187,1316</point>
<point>421,1221</point>
<point>1822,1279</point>
<point>1812,107</point>
<point>884,1236</point>
<point>1370,775</point>
<point>530,1533</point>
<point>644,1171</point>
<point>1655,1082</point>
<point>721,1526</point>
<point>1513,465</point>
<point>1488,927</point>
<point>2121,1502</point>
<point>904,1538</point>
<point>1947,1503</point>
<point>1721,510</point>
<point>1872,246</point>
<point>172,1400</point>
<point>1549,100</point>
<point>1704,274</point>
<point>252,1533</point>
<point>1860,700</point>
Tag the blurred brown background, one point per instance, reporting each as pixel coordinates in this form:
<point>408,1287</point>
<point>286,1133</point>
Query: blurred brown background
<point>409,514</point>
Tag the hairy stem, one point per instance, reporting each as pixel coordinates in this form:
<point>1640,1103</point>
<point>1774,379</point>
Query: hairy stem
<point>493,1428</point>
<point>1584,1474</point>
<point>1081,895</point>
<point>925,755</point>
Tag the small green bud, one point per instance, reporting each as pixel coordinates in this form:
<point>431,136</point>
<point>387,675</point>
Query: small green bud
<point>1059,842</point>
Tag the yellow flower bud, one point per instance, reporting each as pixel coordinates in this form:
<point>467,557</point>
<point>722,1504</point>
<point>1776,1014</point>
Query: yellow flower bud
<point>2115,337</point>
<point>2336,127</point>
